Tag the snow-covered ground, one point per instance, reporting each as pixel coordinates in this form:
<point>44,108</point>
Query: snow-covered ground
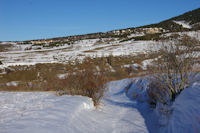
<point>18,55</point>
<point>78,50</point>
<point>42,112</point>
<point>195,34</point>
<point>124,109</point>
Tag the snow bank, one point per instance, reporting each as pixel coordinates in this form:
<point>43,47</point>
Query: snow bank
<point>182,117</point>
<point>28,112</point>
<point>138,89</point>
<point>185,117</point>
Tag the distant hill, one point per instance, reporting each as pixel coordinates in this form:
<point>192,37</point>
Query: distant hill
<point>191,18</point>
<point>186,22</point>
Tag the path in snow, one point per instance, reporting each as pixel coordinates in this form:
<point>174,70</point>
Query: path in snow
<point>42,112</point>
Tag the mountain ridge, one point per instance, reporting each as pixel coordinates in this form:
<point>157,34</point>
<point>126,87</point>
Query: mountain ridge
<point>169,25</point>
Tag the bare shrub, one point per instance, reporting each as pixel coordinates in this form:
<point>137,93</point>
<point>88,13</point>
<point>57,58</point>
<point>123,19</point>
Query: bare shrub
<point>172,69</point>
<point>87,82</point>
<point>158,92</point>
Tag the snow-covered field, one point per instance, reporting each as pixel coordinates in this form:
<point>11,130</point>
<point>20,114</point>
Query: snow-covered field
<point>195,34</point>
<point>122,110</point>
<point>18,55</point>
<point>79,50</point>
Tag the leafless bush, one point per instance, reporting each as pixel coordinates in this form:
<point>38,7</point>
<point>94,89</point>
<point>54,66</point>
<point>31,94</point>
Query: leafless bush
<point>172,69</point>
<point>158,92</point>
<point>88,82</point>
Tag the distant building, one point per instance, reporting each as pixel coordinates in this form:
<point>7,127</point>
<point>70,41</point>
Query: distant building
<point>41,41</point>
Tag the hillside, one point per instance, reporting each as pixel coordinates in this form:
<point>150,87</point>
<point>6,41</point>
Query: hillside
<point>191,18</point>
<point>188,21</point>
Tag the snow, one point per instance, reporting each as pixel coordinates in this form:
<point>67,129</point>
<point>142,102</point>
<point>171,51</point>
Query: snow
<point>146,63</point>
<point>62,76</point>
<point>186,112</point>
<point>195,34</point>
<point>136,34</point>
<point>124,108</point>
<point>79,50</point>
<point>134,66</point>
<point>183,116</point>
<point>40,112</point>
<point>12,83</point>
<point>18,55</point>
<point>183,23</point>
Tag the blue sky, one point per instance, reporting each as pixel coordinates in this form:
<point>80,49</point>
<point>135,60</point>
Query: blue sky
<point>35,19</point>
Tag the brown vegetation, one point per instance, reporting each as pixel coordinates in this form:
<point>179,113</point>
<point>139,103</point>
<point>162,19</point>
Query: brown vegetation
<point>86,77</point>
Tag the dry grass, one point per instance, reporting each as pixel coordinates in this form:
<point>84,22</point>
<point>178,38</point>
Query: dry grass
<point>44,74</point>
<point>4,47</point>
<point>89,51</point>
<point>83,78</point>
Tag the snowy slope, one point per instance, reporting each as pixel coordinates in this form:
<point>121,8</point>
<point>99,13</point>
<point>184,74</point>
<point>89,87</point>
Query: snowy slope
<point>183,24</point>
<point>194,34</point>
<point>79,50</point>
